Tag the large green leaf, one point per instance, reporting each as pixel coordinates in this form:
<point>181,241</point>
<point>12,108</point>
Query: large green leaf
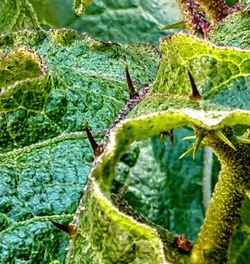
<point>219,73</point>
<point>51,84</point>
<point>120,21</point>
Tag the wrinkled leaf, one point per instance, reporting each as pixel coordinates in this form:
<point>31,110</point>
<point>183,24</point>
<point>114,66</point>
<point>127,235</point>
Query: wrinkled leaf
<point>154,179</point>
<point>51,84</point>
<point>16,15</point>
<point>219,73</point>
<point>232,31</point>
<point>120,21</point>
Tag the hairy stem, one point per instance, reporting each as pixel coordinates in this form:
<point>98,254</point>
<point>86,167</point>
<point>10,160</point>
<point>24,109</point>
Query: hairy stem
<point>223,213</point>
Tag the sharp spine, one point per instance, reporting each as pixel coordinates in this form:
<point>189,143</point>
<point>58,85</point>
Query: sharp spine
<point>222,137</point>
<point>69,229</point>
<point>189,138</point>
<point>96,148</point>
<point>186,152</point>
<point>132,91</point>
<point>170,134</point>
<point>195,91</point>
<point>198,139</point>
<point>242,140</point>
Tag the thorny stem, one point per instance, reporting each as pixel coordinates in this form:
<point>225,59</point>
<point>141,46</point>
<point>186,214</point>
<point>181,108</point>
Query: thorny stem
<point>223,213</point>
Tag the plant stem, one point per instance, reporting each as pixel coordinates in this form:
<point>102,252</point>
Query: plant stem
<point>223,213</point>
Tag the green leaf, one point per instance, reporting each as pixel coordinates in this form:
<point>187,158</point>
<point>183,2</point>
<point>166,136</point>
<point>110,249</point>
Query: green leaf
<point>218,73</point>
<point>154,179</point>
<point>51,84</point>
<point>120,21</point>
<point>232,31</point>
<point>16,15</point>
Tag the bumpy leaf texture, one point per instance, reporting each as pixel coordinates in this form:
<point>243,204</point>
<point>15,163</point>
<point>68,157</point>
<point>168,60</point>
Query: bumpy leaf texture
<point>51,84</point>
<point>16,15</point>
<point>121,21</point>
<point>222,77</point>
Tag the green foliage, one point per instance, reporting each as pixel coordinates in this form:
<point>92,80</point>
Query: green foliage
<point>164,108</point>
<point>139,194</point>
<point>153,181</point>
<point>49,89</point>
<point>120,21</point>
<point>16,15</point>
<point>232,31</point>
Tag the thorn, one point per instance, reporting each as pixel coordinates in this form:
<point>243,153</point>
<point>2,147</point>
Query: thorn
<point>96,148</point>
<point>242,140</point>
<point>132,92</point>
<point>189,138</point>
<point>197,142</point>
<point>186,152</point>
<point>162,135</point>
<point>69,229</point>
<point>195,92</point>
<point>122,192</point>
<point>183,244</point>
<point>221,136</point>
<point>170,134</point>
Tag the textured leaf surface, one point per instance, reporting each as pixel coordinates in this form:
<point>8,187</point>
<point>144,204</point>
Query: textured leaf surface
<point>154,179</point>
<point>120,21</point>
<point>216,71</point>
<point>51,84</point>
<point>239,247</point>
<point>16,15</point>
<point>232,31</point>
